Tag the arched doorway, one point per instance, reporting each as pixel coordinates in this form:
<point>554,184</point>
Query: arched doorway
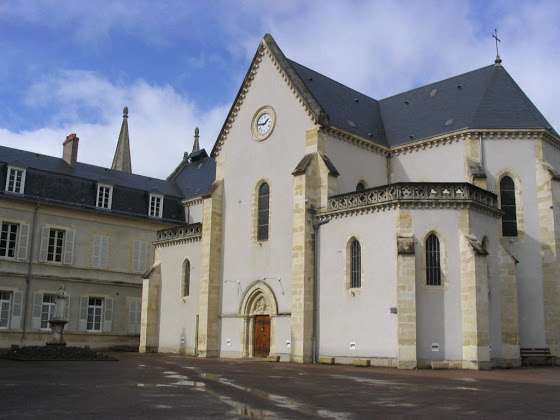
<point>258,308</point>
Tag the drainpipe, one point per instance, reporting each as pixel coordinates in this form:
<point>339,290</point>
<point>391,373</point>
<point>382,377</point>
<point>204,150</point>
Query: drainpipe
<point>481,149</point>
<point>28,277</point>
<point>316,227</point>
<point>388,168</point>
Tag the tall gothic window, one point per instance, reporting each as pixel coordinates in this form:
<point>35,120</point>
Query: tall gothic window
<point>187,279</point>
<point>355,264</point>
<point>433,261</point>
<point>507,200</point>
<point>264,195</point>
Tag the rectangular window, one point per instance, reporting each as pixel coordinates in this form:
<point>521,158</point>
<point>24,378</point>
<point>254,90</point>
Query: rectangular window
<point>8,240</point>
<point>56,242</point>
<point>47,310</point>
<point>94,312</point>
<point>104,196</point>
<point>15,181</point>
<point>5,299</point>
<point>156,205</point>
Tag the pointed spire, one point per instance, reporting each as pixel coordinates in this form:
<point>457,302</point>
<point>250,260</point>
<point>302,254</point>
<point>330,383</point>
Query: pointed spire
<point>121,161</point>
<point>196,146</point>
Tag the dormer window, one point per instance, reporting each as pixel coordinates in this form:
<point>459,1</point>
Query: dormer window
<point>104,196</point>
<point>15,181</point>
<point>156,205</point>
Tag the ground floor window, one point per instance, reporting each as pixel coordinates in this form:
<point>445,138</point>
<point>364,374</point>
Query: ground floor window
<point>95,309</point>
<point>47,310</point>
<point>5,299</point>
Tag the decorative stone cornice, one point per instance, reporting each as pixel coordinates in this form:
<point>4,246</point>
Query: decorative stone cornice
<point>357,140</point>
<point>412,195</point>
<point>178,235</point>
<point>192,201</point>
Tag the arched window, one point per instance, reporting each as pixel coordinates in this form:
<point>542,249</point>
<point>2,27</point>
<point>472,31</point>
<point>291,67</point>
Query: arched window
<point>507,200</point>
<point>433,264</point>
<point>355,264</point>
<point>361,186</point>
<point>187,279</point>
<point>264,194</point>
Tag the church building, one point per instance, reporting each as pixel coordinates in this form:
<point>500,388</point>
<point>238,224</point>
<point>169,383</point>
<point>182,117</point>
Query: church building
<point>418,229</point>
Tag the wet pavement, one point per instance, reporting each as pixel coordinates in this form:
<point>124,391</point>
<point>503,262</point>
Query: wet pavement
<point>171,386</point>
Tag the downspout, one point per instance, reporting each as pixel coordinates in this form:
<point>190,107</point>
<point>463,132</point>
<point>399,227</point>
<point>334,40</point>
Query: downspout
<point>316,227</point>
<point>481,150</point>
<point>388,168</point>
<point>29,271</point>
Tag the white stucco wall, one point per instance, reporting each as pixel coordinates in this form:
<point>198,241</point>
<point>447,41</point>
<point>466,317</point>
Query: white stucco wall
<point>363,318</point>
<point>178,313</point>
<point>356,164</point>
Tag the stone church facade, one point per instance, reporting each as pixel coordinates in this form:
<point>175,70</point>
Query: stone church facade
<point>416,229</point>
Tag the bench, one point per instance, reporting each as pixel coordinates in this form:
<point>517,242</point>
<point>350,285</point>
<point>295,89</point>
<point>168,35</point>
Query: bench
<point>535,352</point>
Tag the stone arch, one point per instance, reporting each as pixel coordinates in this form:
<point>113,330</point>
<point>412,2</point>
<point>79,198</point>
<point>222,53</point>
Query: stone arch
<point>258,299</point>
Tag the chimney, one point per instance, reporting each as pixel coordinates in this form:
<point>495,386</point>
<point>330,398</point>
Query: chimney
<point>70,149</point>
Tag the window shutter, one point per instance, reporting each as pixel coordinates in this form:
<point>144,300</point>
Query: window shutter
<point>69,247</point>
<point>67,313</point>
<point>139,252</point>
<point>23,240</point>
<point>104,251</point>
<point>16,311</point>
<point>96,251</point>
<point>134,316</point>
<point>44,244</point>
<point>36,313</point>
<point>108,317</point>
<point>82,322</point>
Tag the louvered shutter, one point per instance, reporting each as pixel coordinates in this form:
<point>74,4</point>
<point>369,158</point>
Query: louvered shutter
<point>139,252</point>
<point>23,240</point>
<point>16,311</point>
<point>103,251</point>
<point>44,244</point>
<point>67,313</point>
<point>95,257</point>
<point>36,313</point>
<point>135,256</point>
<point>69,247</point>
<point>143,251</point>
<point>108,316</point>
<point>134,316</point>
<point>82,322</point>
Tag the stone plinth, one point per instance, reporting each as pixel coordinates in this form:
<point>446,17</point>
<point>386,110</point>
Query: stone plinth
<point>57,337</point>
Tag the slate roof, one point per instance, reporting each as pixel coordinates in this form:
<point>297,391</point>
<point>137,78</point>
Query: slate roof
<point>487,98</point>
<point>52,180</point>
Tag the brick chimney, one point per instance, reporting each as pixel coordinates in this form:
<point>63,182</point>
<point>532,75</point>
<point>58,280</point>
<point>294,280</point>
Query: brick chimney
<point>70,151</point>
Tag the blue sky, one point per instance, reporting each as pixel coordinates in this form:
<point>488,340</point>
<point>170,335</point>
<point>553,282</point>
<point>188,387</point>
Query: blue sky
<point>71,66</point>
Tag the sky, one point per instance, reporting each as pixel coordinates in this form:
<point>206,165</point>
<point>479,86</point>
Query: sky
<point>72,66</point>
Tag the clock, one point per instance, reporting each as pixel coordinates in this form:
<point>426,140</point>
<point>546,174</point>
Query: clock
<point>263,123</point>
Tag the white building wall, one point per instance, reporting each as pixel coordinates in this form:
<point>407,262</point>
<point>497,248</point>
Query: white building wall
<point>356,164</point>
<point>363,318</point>
<point>177,331</point>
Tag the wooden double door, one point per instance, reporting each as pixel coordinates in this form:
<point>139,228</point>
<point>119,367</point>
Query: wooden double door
<point>261,336</point>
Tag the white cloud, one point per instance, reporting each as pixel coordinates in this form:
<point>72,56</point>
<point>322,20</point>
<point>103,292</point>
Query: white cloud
<point>161,121</point>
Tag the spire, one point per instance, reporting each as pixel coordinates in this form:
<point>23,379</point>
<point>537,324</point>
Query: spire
<point>121,161</point>
<point>196,146</point>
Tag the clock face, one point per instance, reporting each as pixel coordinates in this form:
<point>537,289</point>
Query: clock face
<point>263,123</point>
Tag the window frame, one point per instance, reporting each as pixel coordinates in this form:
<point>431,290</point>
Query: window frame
<point>94,308</point>
<point>5,299</point>
<point>152,210</point>
<point>104,201</point>
<point>263,229</point>
<point>4,251</point>
<point>18,187</point>
<point>58,251</point>
<point>432,255</point>
<point>509,220</point>
<point>50,310</point>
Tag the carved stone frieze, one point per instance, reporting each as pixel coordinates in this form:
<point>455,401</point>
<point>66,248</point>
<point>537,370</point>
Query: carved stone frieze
<point>178,234</point>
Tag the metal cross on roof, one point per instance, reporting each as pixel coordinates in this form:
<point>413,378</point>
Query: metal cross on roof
<point>495,36</point>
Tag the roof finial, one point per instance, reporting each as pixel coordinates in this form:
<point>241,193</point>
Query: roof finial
<point>196,146</point>
<point>125,112</point>
<point>498,60</point>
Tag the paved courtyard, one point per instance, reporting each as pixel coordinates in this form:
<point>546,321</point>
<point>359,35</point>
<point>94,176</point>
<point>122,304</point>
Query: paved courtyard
<point>170,386</point>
